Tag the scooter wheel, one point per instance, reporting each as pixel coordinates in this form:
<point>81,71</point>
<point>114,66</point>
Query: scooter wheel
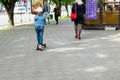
<point>44,45</point>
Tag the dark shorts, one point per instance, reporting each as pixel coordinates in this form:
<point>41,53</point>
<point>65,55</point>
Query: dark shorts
<point>79,20</point>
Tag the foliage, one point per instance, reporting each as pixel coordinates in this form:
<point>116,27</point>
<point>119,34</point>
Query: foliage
<point>101,1</point>
<point>36,4</point>
<point>68,1</point>
<point>63,2</point>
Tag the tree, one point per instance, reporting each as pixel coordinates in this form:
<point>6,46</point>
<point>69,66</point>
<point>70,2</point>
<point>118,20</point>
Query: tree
<point>63,2</point>
<point>66,3</point>
<point>9,6</point>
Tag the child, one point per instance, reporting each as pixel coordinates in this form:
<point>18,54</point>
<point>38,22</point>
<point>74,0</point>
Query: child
<point>40,22</point>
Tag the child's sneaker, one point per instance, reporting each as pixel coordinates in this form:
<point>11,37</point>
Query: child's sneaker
<point>40,47</point>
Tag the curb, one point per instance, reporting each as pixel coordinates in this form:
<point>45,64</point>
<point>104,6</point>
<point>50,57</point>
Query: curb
<point>17,25</point>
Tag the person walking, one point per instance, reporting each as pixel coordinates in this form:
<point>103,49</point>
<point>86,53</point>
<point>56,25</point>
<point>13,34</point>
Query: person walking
<point>39,22</point>
<point>56,13</point>
<point>46,9</point>
<point>79,7</point>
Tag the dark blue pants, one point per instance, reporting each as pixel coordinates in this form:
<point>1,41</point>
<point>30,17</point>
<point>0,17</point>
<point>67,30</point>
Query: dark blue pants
<point>40,36</point>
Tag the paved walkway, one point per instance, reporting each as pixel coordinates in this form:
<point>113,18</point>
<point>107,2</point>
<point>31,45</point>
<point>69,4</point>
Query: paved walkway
<point>95,57</point>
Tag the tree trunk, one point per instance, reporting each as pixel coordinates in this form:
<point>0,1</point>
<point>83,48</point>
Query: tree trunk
<point>9,5</point>
<point>66,6</point>
<point>11,18</point>
<point>60,3</point>
<point>10,12</point>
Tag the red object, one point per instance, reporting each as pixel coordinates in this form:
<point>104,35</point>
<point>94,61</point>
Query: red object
<point>73,16</point>
<point>75,36</point>
<point>78,37</point>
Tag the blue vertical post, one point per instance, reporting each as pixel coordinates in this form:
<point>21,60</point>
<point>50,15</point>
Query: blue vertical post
<point>91,9</point>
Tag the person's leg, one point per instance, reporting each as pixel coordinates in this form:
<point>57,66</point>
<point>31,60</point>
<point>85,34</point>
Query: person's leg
<point>48,18</point>
<point>37,33</point>
<point>56,19</point>
<point>79,30</point>
<point>45,14</point>
<point>75,28</point>
<point>40,39</point>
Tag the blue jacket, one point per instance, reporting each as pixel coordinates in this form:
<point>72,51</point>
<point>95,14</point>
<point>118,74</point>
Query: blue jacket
<point>40,21</point>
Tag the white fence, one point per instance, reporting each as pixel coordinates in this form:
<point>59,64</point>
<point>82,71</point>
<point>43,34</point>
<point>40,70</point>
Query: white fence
<point>18,19</point>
